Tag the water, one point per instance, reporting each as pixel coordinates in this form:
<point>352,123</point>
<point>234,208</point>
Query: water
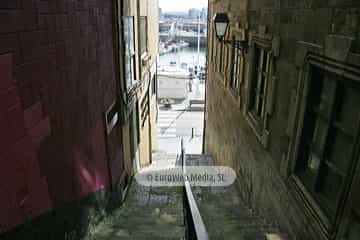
<point>186,55</point>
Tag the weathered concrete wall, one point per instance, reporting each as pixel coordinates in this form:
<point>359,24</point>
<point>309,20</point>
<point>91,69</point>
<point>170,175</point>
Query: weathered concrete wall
<point>228,136</point>
<point>57,80</point>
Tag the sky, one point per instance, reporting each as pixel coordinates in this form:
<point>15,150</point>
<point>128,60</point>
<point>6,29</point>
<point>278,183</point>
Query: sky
<point>181,5</point>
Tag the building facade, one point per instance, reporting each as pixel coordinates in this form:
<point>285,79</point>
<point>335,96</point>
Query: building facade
<point>141,54</point>
<point>284,111</point>
<point>77,112</point>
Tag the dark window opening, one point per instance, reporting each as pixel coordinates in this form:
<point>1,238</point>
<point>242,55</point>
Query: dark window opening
<point>327,141</point>
<point>259,81</point>
<point>154,85</point>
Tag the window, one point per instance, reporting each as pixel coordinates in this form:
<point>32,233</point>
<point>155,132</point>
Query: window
<point>215,50</point>
<point>227,59</point>
<point>213,46</point>
<point>259,81</point>
<point>143,35</point>
<point>237,70</point>
<point>327,142</point>
<point>154,84</point>
<point>260,88</point>
<point>324,130</point>
<point>222,58</point>
<point>129,40</point>
<point>219,58</point>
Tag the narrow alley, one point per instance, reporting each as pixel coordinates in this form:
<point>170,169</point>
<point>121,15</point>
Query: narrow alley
<point>181,119</point>
<point>159,212</point>
<point>148,212</point>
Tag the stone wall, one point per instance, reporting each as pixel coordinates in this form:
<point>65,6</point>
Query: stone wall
<point>228,136</point>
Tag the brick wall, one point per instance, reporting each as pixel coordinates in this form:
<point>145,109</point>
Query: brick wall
<point>57,78</point>
<point>229,137</point>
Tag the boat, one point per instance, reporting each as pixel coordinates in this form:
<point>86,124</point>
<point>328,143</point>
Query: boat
<point>164,49</point>
<point>183,44</point>
<point>173,82</point>
<point>184,65</point>
<point>168,47</point>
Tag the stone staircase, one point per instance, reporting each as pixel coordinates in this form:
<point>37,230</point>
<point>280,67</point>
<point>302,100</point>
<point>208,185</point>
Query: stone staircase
<point>158,212</point>
<point>148,212</point>
<point>226,217</point>
<point>224,213</point>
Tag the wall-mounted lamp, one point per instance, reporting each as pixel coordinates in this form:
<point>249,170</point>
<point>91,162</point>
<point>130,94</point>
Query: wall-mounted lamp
<point>221,23</point>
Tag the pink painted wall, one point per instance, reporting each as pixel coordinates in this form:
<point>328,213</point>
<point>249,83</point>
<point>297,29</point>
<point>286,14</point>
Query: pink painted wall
<point>57,78</point>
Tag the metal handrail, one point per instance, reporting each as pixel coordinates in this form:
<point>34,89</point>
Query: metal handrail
<point>195,227</point>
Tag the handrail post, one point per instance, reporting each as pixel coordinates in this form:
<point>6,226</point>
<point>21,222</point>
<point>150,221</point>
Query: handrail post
<point>195,227</point>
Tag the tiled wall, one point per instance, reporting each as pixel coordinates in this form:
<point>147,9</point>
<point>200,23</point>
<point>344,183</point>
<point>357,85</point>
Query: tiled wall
<point>57,78</point>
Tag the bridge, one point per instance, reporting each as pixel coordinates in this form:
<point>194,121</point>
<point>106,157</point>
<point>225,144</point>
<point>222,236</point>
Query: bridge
<point>190,37</point>
<point>183,31</point>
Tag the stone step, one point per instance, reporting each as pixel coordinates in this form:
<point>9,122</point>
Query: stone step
<point>158,212</point>
<point>224,213</point>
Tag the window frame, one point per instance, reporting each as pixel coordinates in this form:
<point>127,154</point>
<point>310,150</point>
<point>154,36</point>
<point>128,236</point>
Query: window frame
<point>312,55</point>
<point>258,89</point>
<point>126,85</point>
<point>213,46</point>
<point>237,68</point>
<point>326,117</point>
<point>259,124</point>
<point>129,52</point>
<point>221,56</point>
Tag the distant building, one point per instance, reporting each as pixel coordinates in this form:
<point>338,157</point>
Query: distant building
<point>193,13</point>
<point>204,13</point>
<point>173,15</point>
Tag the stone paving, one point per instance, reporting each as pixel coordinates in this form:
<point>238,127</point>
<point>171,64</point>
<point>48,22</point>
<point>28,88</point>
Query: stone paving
<point>182,121</point>
<point>224,213</point>
<point>157,212</point>
<point>226,217</point>
<point>148,212</point>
